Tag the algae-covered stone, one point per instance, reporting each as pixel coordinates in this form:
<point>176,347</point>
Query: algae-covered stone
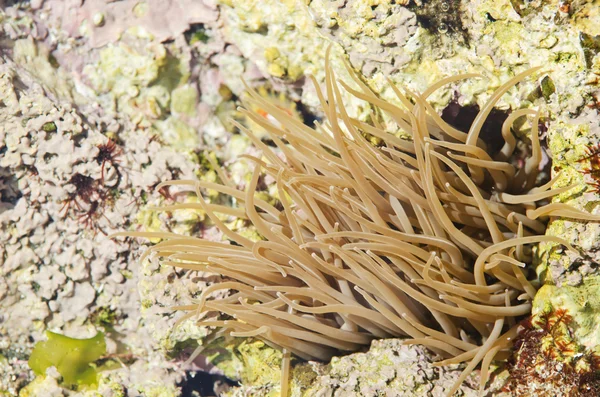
<point>121,67</point>
<point>148,83</point>
<point>280,37</point>
<point>548,358</point>
<point>253,363</point>
<point>178,133</point>
<point>184,100</point>
<point>581,302</point>
<point>42,386</point>
<point>375,34</point>
<point>258,367</point>
<point>388,368</point>
<point>37,60</point>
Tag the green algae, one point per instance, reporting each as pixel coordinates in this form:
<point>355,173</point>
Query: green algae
<point>73,358</point>
<point>49,127</point>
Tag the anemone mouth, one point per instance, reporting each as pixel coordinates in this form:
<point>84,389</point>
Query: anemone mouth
<point>426,238</point>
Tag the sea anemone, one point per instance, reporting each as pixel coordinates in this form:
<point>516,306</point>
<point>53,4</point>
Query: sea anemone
<point>425,238</point>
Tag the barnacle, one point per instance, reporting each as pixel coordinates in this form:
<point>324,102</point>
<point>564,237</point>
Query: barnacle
<point>426,238</point>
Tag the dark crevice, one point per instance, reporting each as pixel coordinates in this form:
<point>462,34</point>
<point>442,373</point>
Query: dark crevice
<point>204,384</point>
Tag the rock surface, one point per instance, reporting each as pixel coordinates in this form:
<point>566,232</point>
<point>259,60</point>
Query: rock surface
<point>160,81</point>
